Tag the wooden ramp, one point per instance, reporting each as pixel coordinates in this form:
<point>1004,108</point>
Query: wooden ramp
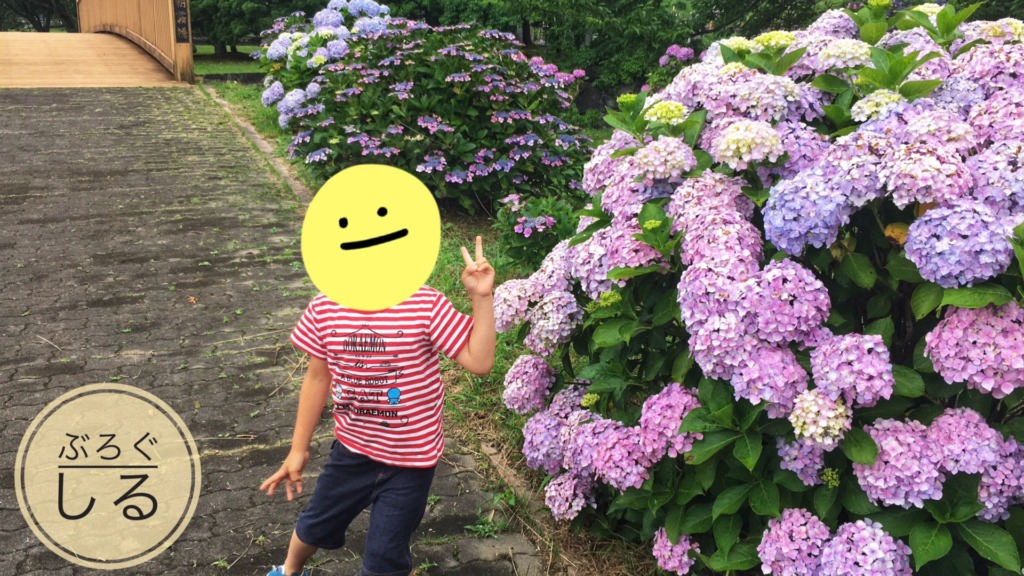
<point>57,60</point>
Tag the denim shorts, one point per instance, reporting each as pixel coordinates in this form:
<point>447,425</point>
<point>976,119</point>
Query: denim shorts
<point>349,483</point>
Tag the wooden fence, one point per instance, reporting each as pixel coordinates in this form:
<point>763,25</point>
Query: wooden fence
<point>161,27</point>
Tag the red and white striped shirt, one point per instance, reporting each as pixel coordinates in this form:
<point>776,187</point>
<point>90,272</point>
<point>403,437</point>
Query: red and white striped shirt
<point>386,378</point>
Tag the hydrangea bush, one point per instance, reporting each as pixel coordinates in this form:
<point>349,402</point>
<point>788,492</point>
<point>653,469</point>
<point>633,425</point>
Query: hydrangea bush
<point>464,109</point>
<point>785,338</point>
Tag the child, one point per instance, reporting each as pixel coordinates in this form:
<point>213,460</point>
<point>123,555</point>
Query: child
<point>382,370</point>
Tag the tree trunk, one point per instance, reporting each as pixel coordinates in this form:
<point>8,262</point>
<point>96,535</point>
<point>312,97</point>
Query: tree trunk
<point>527,33</point>
<point>220,49</point>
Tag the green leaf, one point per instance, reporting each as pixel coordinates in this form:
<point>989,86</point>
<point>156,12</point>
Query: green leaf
<point>789,481</point>
<point>929,541</point>
<point>616,120</point>
<point>764,498</point>
<point>857,267</point>
<point>824,497</point>
<point>879,305</point>
<point>621,273</point>
<point>715,394</point>
<point>674,523</point>
<point>682,365</point>
<point>711,444</point>
<point>758,195</point>
<point>926,298</point>
<point>898,522</point>
<point>614,332</point>
<point>727,531</point>
<point>730,500</point>
<point>976,296</point>
<point>901,268</point>
<point>624,152</point>
<point>787,60</point>
<point>742,556</point>
<point>748,449</point>
<point>914,89</point>
<point>921,362</point>
<point>697,520</point>
<point>604,378</point>
<point>872,32</point>
<point>831,83</point>
<point>991,542</point>
<point>908,382</point>
<point>883,327</point>
<point>855,500</point>
<point>699,420</point>
<point>692,127</point>
<point>859,447</point>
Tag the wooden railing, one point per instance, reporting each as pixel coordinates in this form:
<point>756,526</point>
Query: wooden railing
<point>161,27</point>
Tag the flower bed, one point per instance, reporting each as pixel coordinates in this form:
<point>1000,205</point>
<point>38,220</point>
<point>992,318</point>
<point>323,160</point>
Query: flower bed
<point>464,109</point>
<point>794,294</point>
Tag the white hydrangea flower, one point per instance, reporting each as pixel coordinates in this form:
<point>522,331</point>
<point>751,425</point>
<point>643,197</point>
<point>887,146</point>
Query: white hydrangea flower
<point>845,53</point>
<point>819,418</point>
<point>875,105</point>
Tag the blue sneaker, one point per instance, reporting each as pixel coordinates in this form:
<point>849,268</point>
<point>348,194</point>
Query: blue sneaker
<point>279,571</point>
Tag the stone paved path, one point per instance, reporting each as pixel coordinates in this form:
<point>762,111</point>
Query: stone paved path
<point>142,241</point>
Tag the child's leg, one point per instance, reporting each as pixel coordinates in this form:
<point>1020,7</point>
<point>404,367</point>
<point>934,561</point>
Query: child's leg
<point>298,553</point>
<point>343,490</point>
<point>399,503</point>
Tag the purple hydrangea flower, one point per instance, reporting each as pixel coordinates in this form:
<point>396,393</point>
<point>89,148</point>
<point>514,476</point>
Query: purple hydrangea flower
<point>527,384</point>
<point>907,471</point>
<point>1002,482</point>
<point>541,441</point>
<point>272,94</point>
<point>660,419</point>
<point>855,367</point>
<point>773,375</point>
<point>552,322</point>
<point>983,347</point>
<point>674,557</point>
<point>966,442</point>
<point>863,548</point>
<point>959,244</point>
<point>512,299</point>
<point>567,494</point>
<point>804,457</point>
<point>925,172</point>
<point>806,209</point>
<point>792,543</point>
<point>792,302</point>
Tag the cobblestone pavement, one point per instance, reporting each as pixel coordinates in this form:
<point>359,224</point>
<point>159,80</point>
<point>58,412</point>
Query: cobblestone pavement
<point>142,241</point>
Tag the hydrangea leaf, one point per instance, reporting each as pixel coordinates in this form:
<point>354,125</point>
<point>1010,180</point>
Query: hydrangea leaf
<point>872,32</point>
<point>748,449</point>
<point>926,298</point>
<point>929,541</point>
<point>682,365</point>
<point>764,498</point>
<point>898,522</point>
<point>992,543</point>
<point>697,520</point>
<point>908,382</point>
<point>730,500</point>
<point>976,296</point>
<point>855,500</point>
<point>883,327</point>
<point>713,443</point>
<point>726,530</point>
<point>674,522</point>
<point>900,267</point>
<point>742,556</point>
<point>699,420</point>
<point>858,267</point>
<point>824,498</point>
<point>860,447</point>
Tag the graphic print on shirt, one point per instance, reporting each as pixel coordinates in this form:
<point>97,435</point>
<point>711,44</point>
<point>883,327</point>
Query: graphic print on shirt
<point>366,379</point>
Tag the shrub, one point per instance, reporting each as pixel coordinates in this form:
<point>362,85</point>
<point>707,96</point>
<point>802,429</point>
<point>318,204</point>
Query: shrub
<point>464,109</point>
<point>793,298</point>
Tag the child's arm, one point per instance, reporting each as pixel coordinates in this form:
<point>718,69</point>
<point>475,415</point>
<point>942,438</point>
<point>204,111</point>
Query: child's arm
<point>312,396</point>
<point>477,356</point>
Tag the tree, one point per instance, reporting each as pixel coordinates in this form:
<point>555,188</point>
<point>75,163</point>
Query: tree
<point>40,14</point>
<point>226,23</point>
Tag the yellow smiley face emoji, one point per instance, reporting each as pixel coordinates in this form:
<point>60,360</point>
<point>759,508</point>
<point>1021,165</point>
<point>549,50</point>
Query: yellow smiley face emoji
<point>371,237</point>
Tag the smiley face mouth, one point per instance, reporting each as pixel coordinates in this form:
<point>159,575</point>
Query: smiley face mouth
<point>370,242</point>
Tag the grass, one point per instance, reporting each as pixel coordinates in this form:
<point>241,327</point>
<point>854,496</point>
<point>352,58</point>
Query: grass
<point>238,63</point>
<point>475,410</point>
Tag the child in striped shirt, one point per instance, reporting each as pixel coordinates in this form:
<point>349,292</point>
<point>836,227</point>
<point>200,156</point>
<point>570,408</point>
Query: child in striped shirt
<point>382,371</point>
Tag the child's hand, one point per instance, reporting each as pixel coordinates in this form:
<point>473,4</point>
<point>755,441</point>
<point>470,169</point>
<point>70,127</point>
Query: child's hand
<point>290,473</point>
<point>478,276</point>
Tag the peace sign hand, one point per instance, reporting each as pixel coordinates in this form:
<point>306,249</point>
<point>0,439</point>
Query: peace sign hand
<point>478,276</point>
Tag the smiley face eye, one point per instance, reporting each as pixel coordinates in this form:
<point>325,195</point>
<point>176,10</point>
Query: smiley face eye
<point>343,222</point>
<point>382,211</point>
